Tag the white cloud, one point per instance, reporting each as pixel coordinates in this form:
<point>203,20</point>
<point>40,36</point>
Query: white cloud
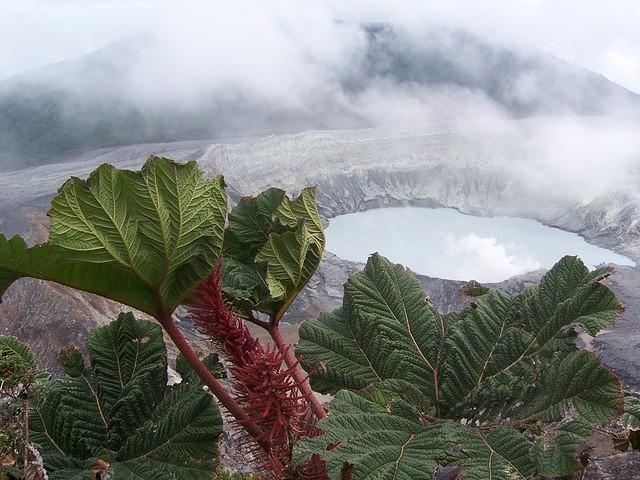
<point>622,62</point>
<point>485,260</point>
<point>602,36</point>
<point>290,53</point>
<point>38,32</point>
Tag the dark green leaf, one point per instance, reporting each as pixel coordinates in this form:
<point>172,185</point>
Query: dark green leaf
<point>120,413</point>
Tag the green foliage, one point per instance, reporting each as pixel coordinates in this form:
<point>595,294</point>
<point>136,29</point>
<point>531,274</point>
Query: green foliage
<point>272,247</point>
<point>20,381</point>
<point>119,416</point>
<point>18,368</point>
<point>148,239</point>
<point>384,438</point>
<point>226,475</point>
<point>630,420</point>
<point>498,391</point>
<point>142,238</point>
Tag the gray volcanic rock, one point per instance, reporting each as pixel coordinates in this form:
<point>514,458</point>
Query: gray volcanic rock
<point>625,466</point>
<point>611,220</point>
<point>619,346</point>
<point>323,293</point>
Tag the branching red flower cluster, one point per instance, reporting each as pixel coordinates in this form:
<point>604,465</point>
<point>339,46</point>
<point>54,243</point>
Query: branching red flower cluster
<point>264,386</point>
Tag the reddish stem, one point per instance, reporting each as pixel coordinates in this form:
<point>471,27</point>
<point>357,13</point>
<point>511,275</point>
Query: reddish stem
<point>299,374</point>
<point>26,432</point>
<point>210,381</point>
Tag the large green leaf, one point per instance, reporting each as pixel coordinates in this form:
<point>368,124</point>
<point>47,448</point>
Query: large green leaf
<point>386,329</point>
<point>380,444</point>
<point>506,338</point>
<point>142,238</point>
<point>331,351</point>
<point>493,365</point>
<point>568,295</point>
<point>291,259</point>
<point>125,352</point>
<point>273,246</point>
<point>250,224</point>
<point>177,442</point>
<point>575,385</point>
<point>121,414</point>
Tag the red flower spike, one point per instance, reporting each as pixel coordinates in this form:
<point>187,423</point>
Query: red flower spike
<point>263,384</point>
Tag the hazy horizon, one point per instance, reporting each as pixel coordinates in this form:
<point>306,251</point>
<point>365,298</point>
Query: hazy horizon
<point>600,37</point>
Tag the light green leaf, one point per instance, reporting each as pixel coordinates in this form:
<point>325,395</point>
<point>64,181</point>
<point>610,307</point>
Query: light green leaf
<point>142,238</point>
<point>291,259</point>
<point>304,208</point>
<point>242,284</point>
<point>250,224</point>
<point>273,246</point>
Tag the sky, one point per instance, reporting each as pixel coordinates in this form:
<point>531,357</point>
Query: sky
<point>601,36</point>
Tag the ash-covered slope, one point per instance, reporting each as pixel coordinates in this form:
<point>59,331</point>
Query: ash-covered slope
<point>431,165</point>
<point>96,101</point>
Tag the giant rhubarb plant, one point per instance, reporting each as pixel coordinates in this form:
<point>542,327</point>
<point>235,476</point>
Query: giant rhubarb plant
<point>149,238</point>
<point>498,391</point>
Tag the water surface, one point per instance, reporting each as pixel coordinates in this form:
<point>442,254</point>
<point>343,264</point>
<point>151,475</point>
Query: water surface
<point>441,242</point>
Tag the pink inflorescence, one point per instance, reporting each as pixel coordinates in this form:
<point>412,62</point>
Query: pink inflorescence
<point>263,384</point>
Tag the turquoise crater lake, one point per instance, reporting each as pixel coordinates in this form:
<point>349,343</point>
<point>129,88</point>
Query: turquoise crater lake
<point>444,243</point>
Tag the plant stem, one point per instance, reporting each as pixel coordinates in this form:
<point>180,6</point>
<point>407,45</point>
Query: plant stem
<point>299,374</point>
<point>210,381</point>
<point>25,433</point>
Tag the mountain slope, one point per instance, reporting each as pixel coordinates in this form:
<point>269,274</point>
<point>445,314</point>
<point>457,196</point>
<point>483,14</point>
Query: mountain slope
<point>524,82</point>
<point>71,107</point>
